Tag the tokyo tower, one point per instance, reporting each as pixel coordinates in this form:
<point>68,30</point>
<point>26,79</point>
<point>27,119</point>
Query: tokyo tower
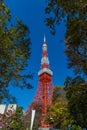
<point>45,87</point>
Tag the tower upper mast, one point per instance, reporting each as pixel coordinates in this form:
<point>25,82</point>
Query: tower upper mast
<point>44,60</point>
<point>44,39</point>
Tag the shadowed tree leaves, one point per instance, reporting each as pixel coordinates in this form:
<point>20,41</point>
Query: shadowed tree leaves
<point>76,93</point>
<point>76,45</point>
<point>14,52</point>
<point>74,13</point>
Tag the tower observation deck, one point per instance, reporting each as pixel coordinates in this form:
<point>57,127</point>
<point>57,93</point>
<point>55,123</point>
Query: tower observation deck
<point>45,87</point>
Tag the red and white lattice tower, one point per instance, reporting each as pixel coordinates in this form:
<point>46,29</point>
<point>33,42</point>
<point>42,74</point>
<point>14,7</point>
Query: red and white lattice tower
<point>45,86</point>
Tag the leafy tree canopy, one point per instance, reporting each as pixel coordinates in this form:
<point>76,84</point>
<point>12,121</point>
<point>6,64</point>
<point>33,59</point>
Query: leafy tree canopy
<point>58,114</point>
<point>14,120</point>
<point>75,127</point>
<point>17,120</point>
<point>74,13</point>
<point>76,93</point>
<point>14,52</point>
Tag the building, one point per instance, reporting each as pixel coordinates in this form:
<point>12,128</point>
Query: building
<point>6,111</point>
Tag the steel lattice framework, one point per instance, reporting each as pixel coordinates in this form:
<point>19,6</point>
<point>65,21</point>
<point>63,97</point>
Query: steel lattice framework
<point>45,87</point>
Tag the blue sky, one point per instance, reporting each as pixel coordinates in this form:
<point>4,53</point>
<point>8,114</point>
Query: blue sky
<point>31,12</point>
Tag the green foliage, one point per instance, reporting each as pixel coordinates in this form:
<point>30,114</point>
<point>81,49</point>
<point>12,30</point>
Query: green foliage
<point>14,53</point>
<point>74,13</point>
<point>76,93</point>
<point>14,121</point>
<point>58,114</point>
<point>17,121</point>
<point>76,47</point>
<point>75,127</point>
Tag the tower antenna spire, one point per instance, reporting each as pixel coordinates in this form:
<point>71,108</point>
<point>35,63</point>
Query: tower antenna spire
<point>44,38</point>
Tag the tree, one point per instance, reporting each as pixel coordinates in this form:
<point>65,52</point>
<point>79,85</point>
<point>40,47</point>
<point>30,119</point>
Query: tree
<point>58,115</point>
<point>15,121</point>
<point>14,53</point>
<point>74,13</point>
<point>75,127</point>
<point>76,93</point>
